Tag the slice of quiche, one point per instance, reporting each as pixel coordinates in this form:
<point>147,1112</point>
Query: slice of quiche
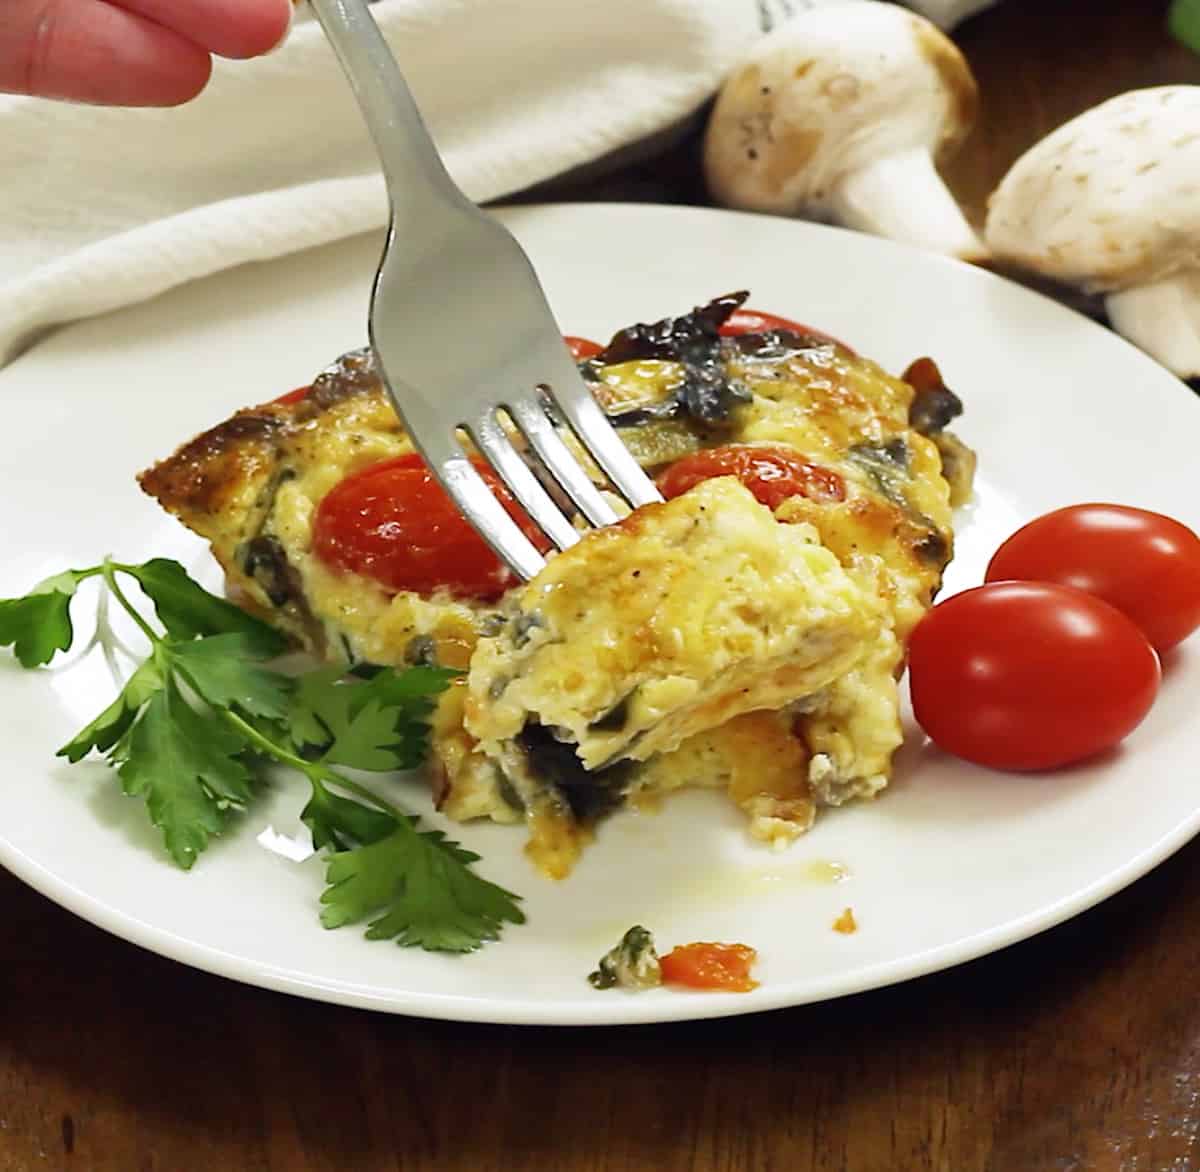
<point>657,629</point>
<point>748,634</point>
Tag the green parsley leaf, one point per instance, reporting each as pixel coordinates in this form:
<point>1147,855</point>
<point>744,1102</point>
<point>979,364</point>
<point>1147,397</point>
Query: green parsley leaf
<point>422,885</point>
<point>222,670</point>
<point>185,765</point>
<point>1184,22</point>
<point>187,610</point>
<point>308,730</point>
<point>39,624</point>
<point>201,712</point>
<point>338,823</point>
<point>113,723</point>
<point>412,695</point>
<point>379,725</point>
<point>412,690</point>
<point>367,740</point>
<point>223,755</point>
<point>339,720</point>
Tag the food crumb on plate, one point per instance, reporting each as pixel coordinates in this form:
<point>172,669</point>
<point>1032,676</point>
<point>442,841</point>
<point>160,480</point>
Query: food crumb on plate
<point>631,964</point>
<point>846,923</point>
<point>704,965</point>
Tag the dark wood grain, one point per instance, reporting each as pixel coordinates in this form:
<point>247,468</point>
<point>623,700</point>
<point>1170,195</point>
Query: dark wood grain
<point>1079,1050</point>
<point>1076,1050</point>
<point>1041,62</point>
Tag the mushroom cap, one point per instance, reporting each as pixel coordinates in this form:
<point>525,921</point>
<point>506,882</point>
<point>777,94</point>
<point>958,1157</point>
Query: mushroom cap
<point>829,92</point>
<point>1111,199</point>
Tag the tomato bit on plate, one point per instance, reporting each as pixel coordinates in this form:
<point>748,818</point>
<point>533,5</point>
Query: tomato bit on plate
<point>711,966</point>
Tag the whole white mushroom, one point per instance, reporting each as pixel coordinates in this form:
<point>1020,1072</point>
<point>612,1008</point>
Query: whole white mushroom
<point>1111,202</point>
<point>841,114</point>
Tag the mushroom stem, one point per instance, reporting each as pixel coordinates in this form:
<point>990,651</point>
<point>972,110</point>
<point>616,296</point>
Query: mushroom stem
<point>903,196</point>
<point>1163,318</point>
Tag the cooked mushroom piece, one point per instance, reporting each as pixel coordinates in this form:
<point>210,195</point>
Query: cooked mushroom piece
<point>840,114</point>
<point>1111,202</point>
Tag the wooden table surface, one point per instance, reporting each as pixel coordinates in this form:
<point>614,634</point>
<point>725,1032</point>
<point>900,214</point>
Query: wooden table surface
<point>1077,1050</point>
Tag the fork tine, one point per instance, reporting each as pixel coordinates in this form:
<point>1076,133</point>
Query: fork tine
<point>489,517</point>
<point>596,432</point>
<point>495,445</point>
<point>563,464</point>
<point>503,309</point>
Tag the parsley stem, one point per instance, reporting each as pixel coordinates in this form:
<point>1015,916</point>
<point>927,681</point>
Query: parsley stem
<point>316,773</point>
<point>268,746</point>
<point>335,778</point>
<point>109,570</point>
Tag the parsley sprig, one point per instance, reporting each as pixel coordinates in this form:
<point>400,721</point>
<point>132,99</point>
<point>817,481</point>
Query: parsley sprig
<point>1184,23</point>
<point>202,717</point>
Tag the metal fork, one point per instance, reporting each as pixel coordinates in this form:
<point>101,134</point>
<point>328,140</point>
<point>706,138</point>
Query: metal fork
<point>461,329</point>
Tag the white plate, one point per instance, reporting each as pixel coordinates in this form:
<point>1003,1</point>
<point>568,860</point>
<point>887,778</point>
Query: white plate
<point>951,863</point>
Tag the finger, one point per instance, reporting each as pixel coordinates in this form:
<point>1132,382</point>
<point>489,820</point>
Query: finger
<point>231,28</point>
<point>91,51</point>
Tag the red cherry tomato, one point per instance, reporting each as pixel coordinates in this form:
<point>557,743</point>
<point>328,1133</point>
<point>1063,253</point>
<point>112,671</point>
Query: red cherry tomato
<point>1144,564</point>
<point>753,321</point>
<point>394,522</point>
<point>1029,675</point>
<point>582,348</point>
<point>296,396</point>
<point>710,966</point>
<point>771,474</point>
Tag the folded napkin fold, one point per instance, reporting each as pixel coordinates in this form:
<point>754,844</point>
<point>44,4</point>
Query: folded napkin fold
<point>101,207</point>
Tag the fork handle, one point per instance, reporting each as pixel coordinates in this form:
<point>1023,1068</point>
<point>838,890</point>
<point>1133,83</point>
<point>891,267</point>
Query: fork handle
<point>412,167</point>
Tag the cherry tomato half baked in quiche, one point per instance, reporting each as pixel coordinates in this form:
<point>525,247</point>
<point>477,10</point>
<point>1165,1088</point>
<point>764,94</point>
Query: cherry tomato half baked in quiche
<point>394,523</point>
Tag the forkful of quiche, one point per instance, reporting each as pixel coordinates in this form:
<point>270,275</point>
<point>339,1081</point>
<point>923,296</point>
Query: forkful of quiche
<point>514,375</point>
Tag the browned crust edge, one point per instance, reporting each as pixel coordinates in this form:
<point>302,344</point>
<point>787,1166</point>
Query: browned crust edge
<point>196,478</point>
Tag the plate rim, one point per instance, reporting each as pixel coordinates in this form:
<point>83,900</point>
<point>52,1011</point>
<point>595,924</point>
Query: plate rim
<point>681,1005</point>
<point>633,1010</point>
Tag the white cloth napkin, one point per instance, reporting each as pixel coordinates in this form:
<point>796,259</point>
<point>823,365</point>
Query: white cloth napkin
<point>100,208</point>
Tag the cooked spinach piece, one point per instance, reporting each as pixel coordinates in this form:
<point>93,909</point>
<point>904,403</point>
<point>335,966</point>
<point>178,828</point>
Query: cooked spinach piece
<point>263,558</point>
<point>615,718</point>
<point>887,466</point>
<point>524,625</point>
<point>421,651</point>
<point>508,794</point>
<point>632,964</point>
<point>588,794</point>
<point>707,394</point>
<point>779,343</point>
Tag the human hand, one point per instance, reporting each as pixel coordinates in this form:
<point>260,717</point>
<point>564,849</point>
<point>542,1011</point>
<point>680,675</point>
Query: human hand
<point>129,52</point>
